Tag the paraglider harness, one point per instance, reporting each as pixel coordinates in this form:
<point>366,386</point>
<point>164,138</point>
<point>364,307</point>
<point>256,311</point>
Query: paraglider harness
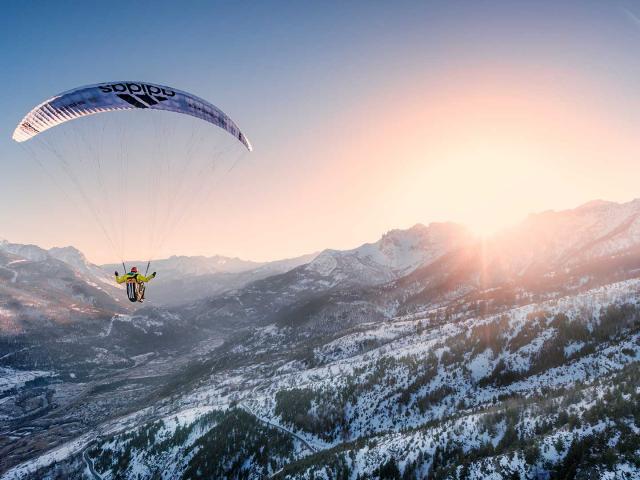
<point>135,289</point>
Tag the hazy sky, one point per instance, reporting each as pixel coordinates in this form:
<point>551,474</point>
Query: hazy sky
<point>365,116</point>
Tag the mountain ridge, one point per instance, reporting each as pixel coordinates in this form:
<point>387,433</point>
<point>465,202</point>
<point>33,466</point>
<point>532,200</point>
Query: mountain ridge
<point>426,354</point>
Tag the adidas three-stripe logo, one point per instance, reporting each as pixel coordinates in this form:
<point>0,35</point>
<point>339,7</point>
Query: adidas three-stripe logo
<point>141,100</point>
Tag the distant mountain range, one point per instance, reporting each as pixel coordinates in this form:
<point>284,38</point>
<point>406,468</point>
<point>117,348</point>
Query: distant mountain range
<point>191,266</point>
<point>397,273</point>
<point>185,279</point>
<point>409,270</point>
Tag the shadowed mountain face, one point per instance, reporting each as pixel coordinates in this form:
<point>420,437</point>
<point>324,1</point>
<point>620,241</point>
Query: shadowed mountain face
<point>38,290</point>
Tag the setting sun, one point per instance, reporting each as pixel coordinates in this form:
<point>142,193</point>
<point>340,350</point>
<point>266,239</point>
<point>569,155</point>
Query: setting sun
<point>489,146</point>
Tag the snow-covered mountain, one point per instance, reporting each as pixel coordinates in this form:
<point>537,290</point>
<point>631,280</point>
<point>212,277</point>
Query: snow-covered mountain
<point>409,270</point>
<point>427,354</point>
<point>36,289</point>
<point>554,240</point>
<point>69,255</point>
<point>544,390</point>
<point>397,253</point>
<point>74,257</point>
<point>332,280</point>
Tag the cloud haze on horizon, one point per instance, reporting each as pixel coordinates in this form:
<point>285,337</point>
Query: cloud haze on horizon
<point>365,116</point>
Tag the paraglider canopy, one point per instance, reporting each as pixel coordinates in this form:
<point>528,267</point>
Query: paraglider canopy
<point>126,95</point>
<point>140,171</point>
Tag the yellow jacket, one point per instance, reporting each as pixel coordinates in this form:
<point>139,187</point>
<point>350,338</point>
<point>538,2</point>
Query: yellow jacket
<point>134,276</point>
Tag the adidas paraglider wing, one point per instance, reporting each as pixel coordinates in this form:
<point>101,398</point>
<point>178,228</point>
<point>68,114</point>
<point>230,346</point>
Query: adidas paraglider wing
<point>112,96</point>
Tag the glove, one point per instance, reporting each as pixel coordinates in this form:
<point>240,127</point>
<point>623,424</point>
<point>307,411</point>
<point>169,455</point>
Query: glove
<point>153,274</point>
<point>116,273</point>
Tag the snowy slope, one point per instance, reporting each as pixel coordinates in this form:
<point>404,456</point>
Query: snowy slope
<point>424,354</point>
<point>514,393</point>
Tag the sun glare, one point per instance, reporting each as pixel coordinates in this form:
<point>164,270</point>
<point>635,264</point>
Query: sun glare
<point>485,226</point>
<point>487,156</point>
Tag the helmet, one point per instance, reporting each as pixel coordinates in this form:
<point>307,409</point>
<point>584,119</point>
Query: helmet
<point>134,269</point>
